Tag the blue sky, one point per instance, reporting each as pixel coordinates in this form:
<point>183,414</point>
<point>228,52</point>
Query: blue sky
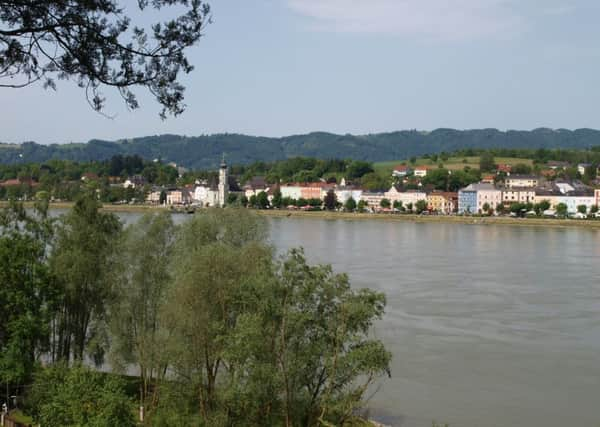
<point>280,67</point>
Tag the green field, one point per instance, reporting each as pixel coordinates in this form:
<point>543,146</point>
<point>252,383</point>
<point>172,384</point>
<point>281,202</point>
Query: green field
<point>453,163</point>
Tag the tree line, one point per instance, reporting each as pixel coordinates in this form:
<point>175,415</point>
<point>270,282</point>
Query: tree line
<point>218,329</point>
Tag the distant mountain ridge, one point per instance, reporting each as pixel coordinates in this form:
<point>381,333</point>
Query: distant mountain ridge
<point>204,152</point>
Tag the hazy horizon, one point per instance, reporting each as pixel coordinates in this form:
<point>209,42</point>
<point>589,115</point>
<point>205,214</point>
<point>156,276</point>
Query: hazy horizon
<point>285,67</point>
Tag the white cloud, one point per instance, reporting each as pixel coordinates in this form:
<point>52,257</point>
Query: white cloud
<point>431,19</point>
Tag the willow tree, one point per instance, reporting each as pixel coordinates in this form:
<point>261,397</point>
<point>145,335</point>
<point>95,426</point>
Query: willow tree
<point>138,334</point>
<point>81,263</point>
<point>26,292</point>
<point>261,342</point>
<point>98,45</point>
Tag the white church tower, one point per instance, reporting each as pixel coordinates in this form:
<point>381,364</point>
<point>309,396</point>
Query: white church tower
<point>223,184</point>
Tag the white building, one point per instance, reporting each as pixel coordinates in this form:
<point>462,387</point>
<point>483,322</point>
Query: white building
<point>344,193</point>
<point>292,191</point>
<point>406,197</point>
<point>522,181</point>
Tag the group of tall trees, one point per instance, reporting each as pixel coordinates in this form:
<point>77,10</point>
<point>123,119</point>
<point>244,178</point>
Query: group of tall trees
<point>219,329</point>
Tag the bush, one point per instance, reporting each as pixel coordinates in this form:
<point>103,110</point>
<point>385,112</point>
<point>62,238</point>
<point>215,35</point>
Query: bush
<point>78,396</point>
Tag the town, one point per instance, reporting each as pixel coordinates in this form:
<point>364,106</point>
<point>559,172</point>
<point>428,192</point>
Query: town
<point>550,189</point>
<point>495,194</point>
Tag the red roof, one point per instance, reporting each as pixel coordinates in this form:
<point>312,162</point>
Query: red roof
<point>10,183</point>
<point>504,168</point>
<point>16,182</point>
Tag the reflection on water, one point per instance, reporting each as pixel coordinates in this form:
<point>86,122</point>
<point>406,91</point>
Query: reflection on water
<point>488,325</point>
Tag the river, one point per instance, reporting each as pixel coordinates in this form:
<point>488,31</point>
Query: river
<point>488,325</point>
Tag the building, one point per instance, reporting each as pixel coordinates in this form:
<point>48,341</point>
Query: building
<point>254,186</point>
<point>504,168</point>
<point>396,194</point>
<point>518,195</point>
<point>474,197</point>
<point>179,196</point>
<point>488,179</point>
<point>342,194</point>
<point>401,171</point>
<point>293,191</point>
<point>373,200</point>
<point>154,196</point>
<point>582,167</point>
<point>558,165</point>
<point>223,187</point>
<point>421,171</point>
<point>442,202</point>
<point>135,181</point>
<point>522,181</point>
<point>467,200</point>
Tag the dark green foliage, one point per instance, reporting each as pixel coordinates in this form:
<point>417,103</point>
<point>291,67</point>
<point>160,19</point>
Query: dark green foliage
<point>486,162</point>
<point>95,43</point>
<point>79,396</point>
<point>277,200</point>
<point>421,206</point>
<point>385,203</point>
<point>80,263</point>
<point>27,292</point>
<point>521,169</point>
<point>561,210</point>
<point>204,152</point>
<point>350,205</point>
<point>330,200</point>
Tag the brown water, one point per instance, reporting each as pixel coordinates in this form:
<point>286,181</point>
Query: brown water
<point>488,325</point>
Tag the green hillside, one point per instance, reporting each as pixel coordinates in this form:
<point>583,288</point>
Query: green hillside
<point>201,152</point>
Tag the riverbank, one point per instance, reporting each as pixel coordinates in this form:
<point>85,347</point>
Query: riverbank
<point>355,216</point>
<point>528,222</point>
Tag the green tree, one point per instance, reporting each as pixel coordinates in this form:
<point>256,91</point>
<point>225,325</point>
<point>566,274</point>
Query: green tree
<point>397,205</point>
<point>421,206</point>
<point>137,329</point>
<point>486,207</point>
<point>78,396</point>
<point>409,207</point>
<point>216,255</point>
<point>582,209</point>
<point>521,169</point>
<point>325,358</point>
<point>94,43</point>
<point>362,206</point>
<point>277,199</point>
<point>358,169</point>
<point>594,209</point>
<point>486,162</point>
<point>561,209</point>
<point>350,205</point>
<point>26,291</point>
<point>330,200</point>
<point>385,203</point>
<point>542,206</point>
<point>81,263</point>
<point>262,200</point>
<point>232,198</point>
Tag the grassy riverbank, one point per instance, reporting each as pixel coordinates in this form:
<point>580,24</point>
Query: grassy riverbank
<point>528,222</point>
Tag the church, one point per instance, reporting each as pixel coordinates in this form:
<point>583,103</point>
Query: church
<point>213,194</point>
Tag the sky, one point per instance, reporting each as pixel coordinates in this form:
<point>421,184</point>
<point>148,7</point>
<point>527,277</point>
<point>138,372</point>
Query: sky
<point>283,67</point>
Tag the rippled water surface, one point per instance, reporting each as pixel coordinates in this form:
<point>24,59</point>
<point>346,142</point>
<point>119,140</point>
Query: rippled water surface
<point>488,325</point>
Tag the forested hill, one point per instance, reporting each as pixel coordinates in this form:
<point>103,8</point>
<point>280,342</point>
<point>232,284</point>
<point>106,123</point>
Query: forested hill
<point>205,151</point>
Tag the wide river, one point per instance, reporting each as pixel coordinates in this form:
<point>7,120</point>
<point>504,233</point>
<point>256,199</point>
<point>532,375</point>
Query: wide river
<point>488,325</point>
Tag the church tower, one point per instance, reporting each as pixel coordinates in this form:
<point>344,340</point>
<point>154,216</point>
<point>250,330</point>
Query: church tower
<point>223,183</point>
